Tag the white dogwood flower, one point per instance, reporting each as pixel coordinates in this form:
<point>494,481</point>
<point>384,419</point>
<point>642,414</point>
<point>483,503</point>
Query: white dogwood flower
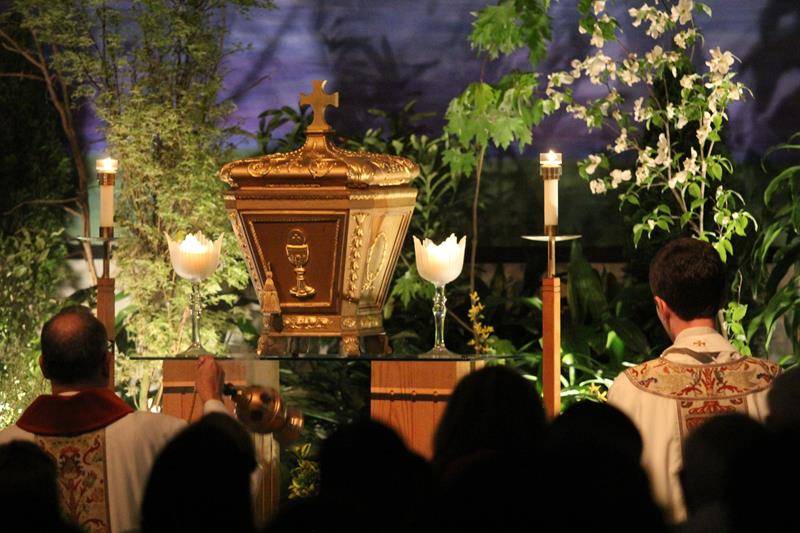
<point>682,13</point>
<point>621,144</point>
<point>642,173</point>
<point>687,81</point>
<point>690,163</point>
<point>662,157</point>
<point>704,129</point>
<point>594,160</point>
<point>676,179</point>
<point>597,38</point>
<point>640,112</point>
<point>618,176</point>
<point>597,186</point>
<point>720,62</point>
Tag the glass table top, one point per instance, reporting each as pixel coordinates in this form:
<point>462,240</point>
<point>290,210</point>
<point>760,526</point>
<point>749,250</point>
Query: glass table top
<point>251,356</point>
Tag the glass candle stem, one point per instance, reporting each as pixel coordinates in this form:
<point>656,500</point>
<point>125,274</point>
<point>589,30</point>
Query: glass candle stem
<point>195,348</point>
<point>195,314</point>
<point>439,313</point>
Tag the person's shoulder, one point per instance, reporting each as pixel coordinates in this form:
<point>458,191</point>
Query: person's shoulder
<point>625,384</point>
<point>149,425</point>
<point>752,374</point>
<point>639,375</point>
<point>13,432</point>
<point>762,367</point>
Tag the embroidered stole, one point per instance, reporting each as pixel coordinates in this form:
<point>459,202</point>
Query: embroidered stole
<point>82,477</point>
<point>704,390</point>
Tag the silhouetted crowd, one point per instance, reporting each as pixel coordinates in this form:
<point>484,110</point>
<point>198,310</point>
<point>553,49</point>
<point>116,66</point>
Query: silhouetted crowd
<point>498,465</point>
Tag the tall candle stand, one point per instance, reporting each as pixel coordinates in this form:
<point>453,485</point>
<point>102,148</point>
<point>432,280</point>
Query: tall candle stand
<point>550,171</point>
<point>106,176</point>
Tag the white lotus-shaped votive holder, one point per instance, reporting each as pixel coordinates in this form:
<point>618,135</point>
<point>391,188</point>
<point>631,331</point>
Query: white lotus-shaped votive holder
<point>440,264</point>
<point>195,258</point>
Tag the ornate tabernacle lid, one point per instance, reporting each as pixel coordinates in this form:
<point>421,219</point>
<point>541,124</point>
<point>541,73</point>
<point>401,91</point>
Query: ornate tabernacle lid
<point>320,158</point>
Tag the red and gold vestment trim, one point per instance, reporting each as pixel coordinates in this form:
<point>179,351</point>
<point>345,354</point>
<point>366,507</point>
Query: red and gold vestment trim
<point>703,391</point>
<point>82,478</point>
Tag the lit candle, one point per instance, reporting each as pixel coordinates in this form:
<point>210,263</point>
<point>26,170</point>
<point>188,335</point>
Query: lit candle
<point>106,173</point>
<point>196,257</point>
<point>550,164</point>
<point>440,263</point>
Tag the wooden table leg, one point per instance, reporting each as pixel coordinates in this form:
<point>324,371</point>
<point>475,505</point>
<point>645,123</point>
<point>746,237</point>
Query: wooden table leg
<point>410,397</point>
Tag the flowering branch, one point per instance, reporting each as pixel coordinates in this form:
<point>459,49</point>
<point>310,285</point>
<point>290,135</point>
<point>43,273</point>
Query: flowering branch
<point>686,174</point>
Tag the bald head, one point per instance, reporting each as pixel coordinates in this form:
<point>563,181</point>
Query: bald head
<point>74,348</point>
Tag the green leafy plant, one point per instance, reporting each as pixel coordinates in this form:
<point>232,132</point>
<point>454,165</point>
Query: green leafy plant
<point>305,475</point>
<point>39,187</point>
<point>501,113</point>
<point>152,73</point>
<point>774,273</point>
<point>33,267</point>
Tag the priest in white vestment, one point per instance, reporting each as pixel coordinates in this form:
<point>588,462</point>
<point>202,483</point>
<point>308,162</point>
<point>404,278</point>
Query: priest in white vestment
<point>700,376</point>
<point>103,449</point>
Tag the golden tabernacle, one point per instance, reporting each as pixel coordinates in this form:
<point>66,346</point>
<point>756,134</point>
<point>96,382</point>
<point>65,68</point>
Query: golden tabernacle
<point>321,228</point>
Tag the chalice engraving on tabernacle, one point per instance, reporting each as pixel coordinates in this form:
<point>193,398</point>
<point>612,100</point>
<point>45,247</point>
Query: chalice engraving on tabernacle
<point>298,253</point>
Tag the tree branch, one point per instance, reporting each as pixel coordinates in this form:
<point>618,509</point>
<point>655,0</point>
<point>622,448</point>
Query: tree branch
<point>13,46</point>
<point>43,201</point>
<point>21,75</point>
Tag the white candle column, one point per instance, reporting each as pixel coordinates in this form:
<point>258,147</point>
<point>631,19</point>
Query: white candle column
<point>550,170</point>
<point>106,176</point>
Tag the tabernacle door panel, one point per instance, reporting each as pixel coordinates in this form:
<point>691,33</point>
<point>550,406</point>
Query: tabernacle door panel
<point>304,252</point>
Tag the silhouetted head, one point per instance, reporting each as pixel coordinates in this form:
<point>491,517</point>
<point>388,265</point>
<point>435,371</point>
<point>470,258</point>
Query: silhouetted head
<point>784,402</point>
<point>75,348</point>
<point>365,470</point>
<point>592,473</point>
<point>28,489</point>
<point>595,425</point>
<point>715,455</point>
<point>492,409</point>
<point>689,277</point>
<point>201,480</point>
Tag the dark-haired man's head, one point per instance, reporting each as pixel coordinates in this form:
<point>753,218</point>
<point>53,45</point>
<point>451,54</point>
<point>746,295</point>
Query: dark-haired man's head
<point>74,349</point>
<point>493,409</point>
<point>687,278</point>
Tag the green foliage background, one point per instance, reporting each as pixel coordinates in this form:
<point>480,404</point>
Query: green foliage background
<point>33,167</point>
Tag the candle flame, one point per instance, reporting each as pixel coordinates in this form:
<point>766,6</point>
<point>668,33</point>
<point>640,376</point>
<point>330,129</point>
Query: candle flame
<point>550,159</point>
<point>107,165</point>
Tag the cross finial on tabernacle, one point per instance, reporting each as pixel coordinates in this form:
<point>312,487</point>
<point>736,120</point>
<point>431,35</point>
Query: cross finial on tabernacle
<point>318,99</point>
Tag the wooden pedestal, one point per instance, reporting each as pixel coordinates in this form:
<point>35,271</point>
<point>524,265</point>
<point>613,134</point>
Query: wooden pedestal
<point>551,346</point>
<point>410,396</point>
<point>181,401</point>
<point>105,313</point>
